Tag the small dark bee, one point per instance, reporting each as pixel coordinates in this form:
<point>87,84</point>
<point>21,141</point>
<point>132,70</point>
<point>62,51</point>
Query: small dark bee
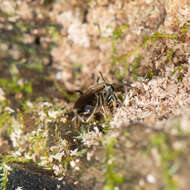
<point>102,94</point>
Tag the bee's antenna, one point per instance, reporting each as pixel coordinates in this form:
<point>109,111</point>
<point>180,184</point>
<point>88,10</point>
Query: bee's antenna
<point>98,79</point>
<point>102,77</point>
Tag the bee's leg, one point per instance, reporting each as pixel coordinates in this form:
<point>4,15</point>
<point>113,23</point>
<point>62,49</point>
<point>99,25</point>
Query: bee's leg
<point>77,119</point>
<point>103,103</point>
<point>117,100</point>
<point>95,108</point>
<point>80,119</point>
<point>112,103</point>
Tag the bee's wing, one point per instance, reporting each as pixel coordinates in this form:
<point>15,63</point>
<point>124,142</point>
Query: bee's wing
<point>88,96</point>
<point>120,87</point>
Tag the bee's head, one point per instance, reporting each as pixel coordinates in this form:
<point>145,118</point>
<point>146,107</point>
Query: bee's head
<point>108,88</point>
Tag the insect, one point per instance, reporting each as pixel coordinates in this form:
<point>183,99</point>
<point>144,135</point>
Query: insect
<point>100,95</point>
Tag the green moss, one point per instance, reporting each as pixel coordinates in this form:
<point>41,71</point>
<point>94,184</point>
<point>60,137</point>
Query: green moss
<point>47,2</point>
<point>5,14</point>
<point>123,58</point>
<point>158,35</point>
<point>116,35</point>
<point>53,32</point>
<point>76,68</point>
<point>184,29</point>
<point>35,65</point>
<point>112,178</point>
<point>170,54</point>
<point>68,97</point>
<point>118,31</point>
<point>3,176</point>
<point>150,74</point>
<point>118,74</point>
<point>135,66</point>
<point>167,159</point>
<point>12,86</point>
<point>4,118</point>
<point>178,69</point>
<point>119,59</point>
<point>5,168</point>
<point>21,26</point>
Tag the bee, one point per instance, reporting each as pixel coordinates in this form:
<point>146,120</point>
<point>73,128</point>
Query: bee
<point>100,95</point>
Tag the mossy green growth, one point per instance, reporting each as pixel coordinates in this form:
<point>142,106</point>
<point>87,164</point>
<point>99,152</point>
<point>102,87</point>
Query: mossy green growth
<point>53,32</point>
<point>178,69</point>
<point>184,29</point>
<point>76,68</point>
<point>125,66</point>
<point>23,27</point>
<point>150,74</point>
<point>36,65</point>
<point>5,118</point>
<point>167,159</point>
<point>170,54</point>
<point>158,35</point>
<point>47,2</point>
<point>15,84</point>
<point>5,14</point>
<point>118,31</point>
<point>12,86</point>
<point>112,178</point>
<point>68,97</point>
<point>135,66</point>
<point>118,74</point>
<point>119,59</point>
<point>5,168</point>
<point>123,58</point>
<point>116,35</point>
